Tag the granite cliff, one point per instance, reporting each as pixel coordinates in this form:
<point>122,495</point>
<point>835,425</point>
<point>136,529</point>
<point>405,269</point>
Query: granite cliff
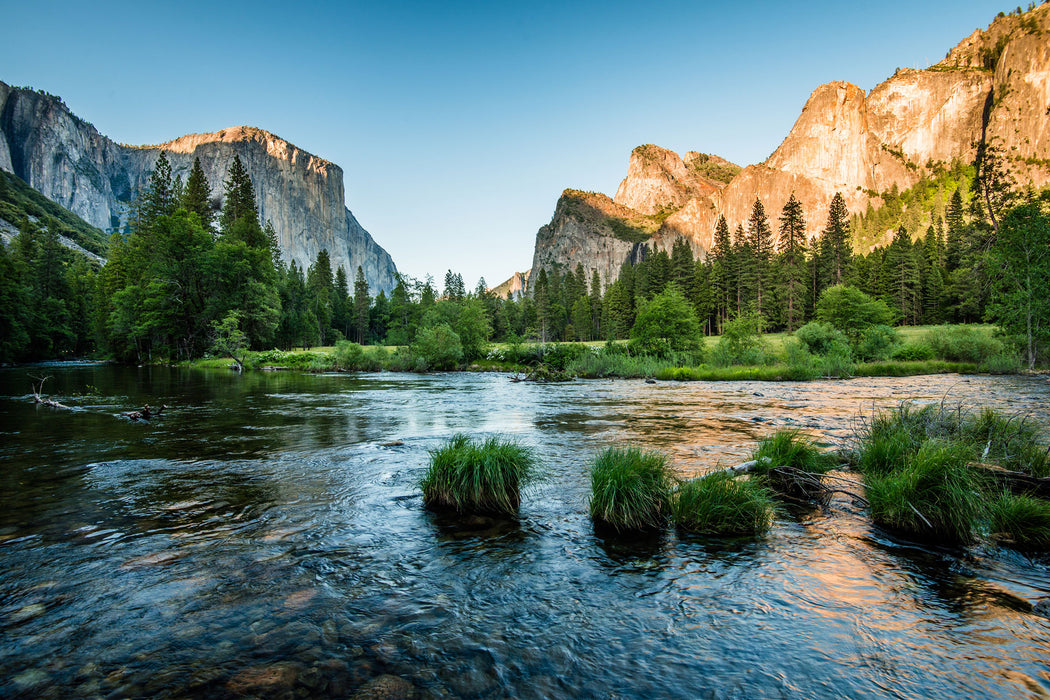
<point>994,87</point>
<point>71,163</point>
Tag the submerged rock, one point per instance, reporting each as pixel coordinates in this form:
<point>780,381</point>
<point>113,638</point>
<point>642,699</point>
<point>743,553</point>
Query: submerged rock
<point>386,687</point>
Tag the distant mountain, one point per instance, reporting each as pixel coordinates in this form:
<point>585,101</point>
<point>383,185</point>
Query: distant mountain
<point>992,88</point>
<point>70,162</point>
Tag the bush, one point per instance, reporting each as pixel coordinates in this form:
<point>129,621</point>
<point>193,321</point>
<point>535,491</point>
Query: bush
<point>876,343</point>
<point>630,489</point>
<point>438,346</point>
<point>1002,363</point>
<point>742,343</point>
<point>852,311</point>
<point>963,343</point>
<point>913,352</point>
<point>721,505</point>
<point>478,477</point>
<point>822,338</point>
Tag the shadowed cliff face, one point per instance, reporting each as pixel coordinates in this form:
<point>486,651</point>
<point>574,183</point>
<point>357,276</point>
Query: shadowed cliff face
<point>67,160</point>
<point>994,85</point>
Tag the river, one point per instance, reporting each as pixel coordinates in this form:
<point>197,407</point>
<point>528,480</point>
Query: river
<point>258,539</point>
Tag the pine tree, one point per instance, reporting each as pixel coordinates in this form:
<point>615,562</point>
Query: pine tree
<point>953,218</point>
<point>721,258</point>
<point>792,246</point>
<point>362,303</point>
<point>196,196</point>
<point>760,245</point>
<point>239,204</point>
<point>901,275</point>
<point>596,304</point>
<point>159,199</point>
<point>836,240</point>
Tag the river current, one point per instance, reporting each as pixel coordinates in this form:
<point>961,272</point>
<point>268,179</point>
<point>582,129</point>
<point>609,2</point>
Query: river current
<point>262,538</point>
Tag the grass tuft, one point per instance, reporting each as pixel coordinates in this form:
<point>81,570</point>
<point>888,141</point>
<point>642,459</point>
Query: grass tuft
<point>934,493</point>
<point>1023,519</point>
<point>721,505</point>
<point>469,476</point>
<point>630,488</point>
<point>805,461</point>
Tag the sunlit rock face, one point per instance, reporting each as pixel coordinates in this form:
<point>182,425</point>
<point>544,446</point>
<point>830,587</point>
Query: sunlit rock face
<point>67,160</point>
<point>994,86</point>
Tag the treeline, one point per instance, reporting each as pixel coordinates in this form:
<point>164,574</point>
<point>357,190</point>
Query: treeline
<point>178,281</point>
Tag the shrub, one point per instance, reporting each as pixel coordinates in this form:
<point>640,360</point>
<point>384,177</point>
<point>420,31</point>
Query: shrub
<point>801,364</point>
<point>438,346</point>
<point>1001,363</point>
<point>666,323</point>
<point>963,343</point>
<point>876,343</point>
<point>851,311</point>
<point>742,343</point>
<point>721,505</point>
<point>630,488</point>
<point>468,476</point>
<point>822,338</point>
<point>913,352</point>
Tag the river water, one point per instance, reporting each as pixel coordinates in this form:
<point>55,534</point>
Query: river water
<point>259,540</point>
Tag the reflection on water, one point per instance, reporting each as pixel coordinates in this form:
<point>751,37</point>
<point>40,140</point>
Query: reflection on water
<point>258,540</point>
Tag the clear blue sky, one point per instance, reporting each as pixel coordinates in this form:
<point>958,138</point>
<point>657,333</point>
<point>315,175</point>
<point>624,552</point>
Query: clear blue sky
<point>458,124</point>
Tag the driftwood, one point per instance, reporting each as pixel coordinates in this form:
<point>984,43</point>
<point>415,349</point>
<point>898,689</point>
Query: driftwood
<point>543,373</point>
<point>811,481</point>
<point>38,394</point>
<point>1017,482</point>
<point>145,413</point>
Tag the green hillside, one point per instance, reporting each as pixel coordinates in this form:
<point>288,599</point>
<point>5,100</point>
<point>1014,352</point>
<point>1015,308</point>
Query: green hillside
<point>18,200</point>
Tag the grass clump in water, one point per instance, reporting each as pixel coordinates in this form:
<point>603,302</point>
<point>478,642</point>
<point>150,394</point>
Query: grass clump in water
<point>470,476</point>
<point>630,489</point>
<point>791,464</point>
<point>721,505</point>
<point>1023,519</point>
<point>934,493</point>
<point>934,472</point>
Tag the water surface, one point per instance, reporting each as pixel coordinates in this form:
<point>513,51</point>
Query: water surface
<point>259,540</point>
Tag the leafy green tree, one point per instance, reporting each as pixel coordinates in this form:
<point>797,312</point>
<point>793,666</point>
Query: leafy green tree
<point>666,323</point>
<point>1021,283</point>
<point>473,327</point>
<point>852,311</point>
<point>229,340</point>
<point>439,347</point>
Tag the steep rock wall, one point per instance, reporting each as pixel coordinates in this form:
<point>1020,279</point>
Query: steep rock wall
<point>67,160</point>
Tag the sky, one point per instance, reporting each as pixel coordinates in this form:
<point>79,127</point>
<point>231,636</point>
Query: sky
<point>458,124</point>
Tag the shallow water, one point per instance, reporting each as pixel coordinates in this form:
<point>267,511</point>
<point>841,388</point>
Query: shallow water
<point>258,540</point>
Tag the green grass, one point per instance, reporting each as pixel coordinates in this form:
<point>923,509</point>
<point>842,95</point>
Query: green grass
<point>922,474</point>
<point>468,476</point>
<point>630,489</point>
<point>934,493</point>
<point>721,505</point>
<point>1023,520</point>
<point>805,462</point>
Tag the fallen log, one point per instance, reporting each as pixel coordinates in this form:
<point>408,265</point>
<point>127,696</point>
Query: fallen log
<point>38,394</point>
<point>1017,482</point>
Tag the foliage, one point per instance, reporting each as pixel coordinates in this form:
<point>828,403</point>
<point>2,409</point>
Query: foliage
<point>630,489</point>
<point>876,343</point>
<point>742,343</point>
<point>851,311</point>
<point>438,347</point>
<point>721,505</point>
<point>666,323</point>
<point>962,343</point>
<point>471,476</point>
